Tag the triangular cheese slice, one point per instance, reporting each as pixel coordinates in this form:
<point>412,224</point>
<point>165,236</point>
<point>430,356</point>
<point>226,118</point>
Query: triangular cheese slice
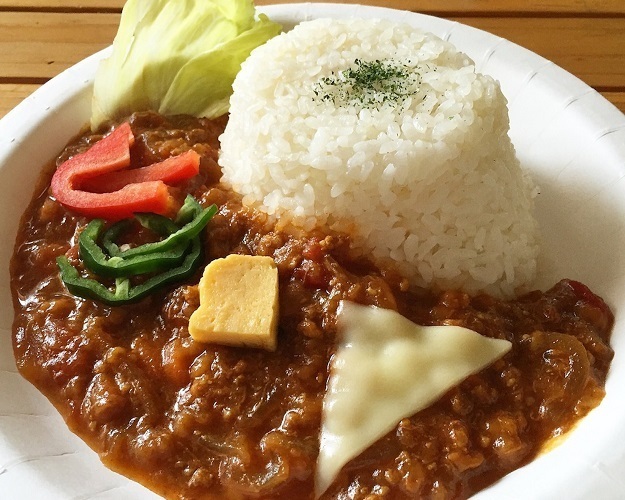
<point>387,368</point>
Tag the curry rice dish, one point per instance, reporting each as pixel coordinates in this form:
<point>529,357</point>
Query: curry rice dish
<point>194,420</point>
<point>103,309</point>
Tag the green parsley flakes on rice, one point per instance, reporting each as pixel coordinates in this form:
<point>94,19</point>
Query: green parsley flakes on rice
<point>387,133</point>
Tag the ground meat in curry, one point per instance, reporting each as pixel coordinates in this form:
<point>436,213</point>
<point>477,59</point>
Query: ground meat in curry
<point>191,420</point>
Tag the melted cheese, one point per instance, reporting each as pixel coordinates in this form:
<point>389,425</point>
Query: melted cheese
<point>387,368</point>
<point>238,303</point>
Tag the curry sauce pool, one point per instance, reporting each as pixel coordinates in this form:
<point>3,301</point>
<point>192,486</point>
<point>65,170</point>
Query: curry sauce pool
<point>196,420</point>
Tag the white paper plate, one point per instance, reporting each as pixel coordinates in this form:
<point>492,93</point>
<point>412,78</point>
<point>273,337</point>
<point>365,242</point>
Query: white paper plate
<point>567,135</point>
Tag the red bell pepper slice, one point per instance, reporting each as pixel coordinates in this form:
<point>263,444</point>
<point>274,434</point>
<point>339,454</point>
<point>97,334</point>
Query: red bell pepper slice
<point>108,156</point>
<point>170,171</point>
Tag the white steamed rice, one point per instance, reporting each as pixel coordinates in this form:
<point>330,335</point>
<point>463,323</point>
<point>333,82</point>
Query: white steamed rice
<point>431,183</point>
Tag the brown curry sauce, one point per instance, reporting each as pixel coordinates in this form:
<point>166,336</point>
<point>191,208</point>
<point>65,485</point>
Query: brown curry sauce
<point>192,420</point>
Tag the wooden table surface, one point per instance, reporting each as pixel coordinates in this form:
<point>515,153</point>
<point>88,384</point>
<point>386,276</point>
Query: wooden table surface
<point>40,38</point>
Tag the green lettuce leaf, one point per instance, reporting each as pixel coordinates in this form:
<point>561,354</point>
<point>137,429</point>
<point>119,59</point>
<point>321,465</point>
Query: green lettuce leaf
<point>177,56</point>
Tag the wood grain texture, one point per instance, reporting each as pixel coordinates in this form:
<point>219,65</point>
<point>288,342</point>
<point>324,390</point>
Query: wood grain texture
<point>490,7</point>
<point>451,7</point>
<point>62,4</point>
<point>616,98</point>
<point>40,45</point>
<point>11,94</point>
<point>589,41</point>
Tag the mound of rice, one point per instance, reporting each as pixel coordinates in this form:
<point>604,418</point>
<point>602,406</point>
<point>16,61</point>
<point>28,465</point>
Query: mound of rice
<point>418,167</point>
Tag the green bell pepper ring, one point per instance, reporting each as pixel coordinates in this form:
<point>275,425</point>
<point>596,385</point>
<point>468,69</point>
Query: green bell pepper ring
<point>182,236</point>
<point>189,209</point>
<point>156,223</point>
<point>115,267</point>
<point>124,293</point>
